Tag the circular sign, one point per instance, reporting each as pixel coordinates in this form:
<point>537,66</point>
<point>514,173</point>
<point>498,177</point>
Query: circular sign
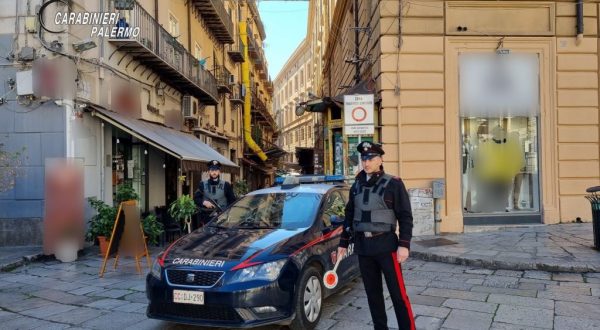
<point>359,114</point>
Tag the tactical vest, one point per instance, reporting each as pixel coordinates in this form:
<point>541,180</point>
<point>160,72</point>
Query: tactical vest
<point>371,214</point>
<point>216,192</point>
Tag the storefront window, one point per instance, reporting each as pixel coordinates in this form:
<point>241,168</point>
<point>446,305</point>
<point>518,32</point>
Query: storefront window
<point>499,164</point>
<point>499,109</point>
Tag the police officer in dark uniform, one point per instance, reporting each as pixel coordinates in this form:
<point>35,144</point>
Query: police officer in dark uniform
<point>378,203</point>
<point>213,190</point>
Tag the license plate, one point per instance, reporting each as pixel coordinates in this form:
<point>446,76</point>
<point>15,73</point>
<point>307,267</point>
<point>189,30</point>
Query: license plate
<point>188,297</point>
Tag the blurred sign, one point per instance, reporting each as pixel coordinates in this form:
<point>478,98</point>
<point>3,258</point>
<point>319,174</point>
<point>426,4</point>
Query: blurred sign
<point>54,78</point>
<point>421,203</point>
<point>494,85</point>
<point>64,203</point>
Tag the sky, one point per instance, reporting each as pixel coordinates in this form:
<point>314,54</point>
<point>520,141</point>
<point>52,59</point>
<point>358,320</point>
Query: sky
<point>285,24</point>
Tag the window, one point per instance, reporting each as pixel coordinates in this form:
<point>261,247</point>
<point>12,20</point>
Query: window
<point>173,25</point>
<point>275,210</point>
<point>302,78</point>
<point>334,206</point>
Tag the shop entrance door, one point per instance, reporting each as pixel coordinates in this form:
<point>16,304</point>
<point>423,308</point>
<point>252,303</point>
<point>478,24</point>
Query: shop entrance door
<point>499,118</point>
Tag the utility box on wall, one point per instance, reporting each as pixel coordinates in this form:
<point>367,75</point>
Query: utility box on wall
<point>421,203</point>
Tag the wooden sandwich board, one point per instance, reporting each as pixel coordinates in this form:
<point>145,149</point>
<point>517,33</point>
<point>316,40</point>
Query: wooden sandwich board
<point>127,238</point>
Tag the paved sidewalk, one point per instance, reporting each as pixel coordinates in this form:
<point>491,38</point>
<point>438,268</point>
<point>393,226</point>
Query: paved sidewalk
<point>48,294</point>
<point>561,248</point>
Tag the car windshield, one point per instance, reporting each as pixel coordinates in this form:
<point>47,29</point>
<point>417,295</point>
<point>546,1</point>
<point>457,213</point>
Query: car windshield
<point>275,210</point>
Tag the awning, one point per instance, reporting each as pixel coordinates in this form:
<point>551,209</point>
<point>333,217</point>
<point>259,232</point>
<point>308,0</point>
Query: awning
<point>183,146</point>
<point>321,105</point>
<point>363,87</point>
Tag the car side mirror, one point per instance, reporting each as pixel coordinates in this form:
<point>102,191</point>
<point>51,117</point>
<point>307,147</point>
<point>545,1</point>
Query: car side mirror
<point>336,220</point>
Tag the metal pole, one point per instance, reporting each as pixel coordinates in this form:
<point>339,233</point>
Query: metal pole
<point>356,48</point>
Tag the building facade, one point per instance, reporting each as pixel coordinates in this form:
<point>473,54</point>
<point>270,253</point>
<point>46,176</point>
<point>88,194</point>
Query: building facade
<point>293,88</point>
<point>147,107</point>
<point>498,100</point>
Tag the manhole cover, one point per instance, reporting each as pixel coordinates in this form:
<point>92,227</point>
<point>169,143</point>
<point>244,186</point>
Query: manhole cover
<point>435,242</point>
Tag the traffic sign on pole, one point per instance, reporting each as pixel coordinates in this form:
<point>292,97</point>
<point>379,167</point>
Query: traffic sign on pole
<point>358,114</point>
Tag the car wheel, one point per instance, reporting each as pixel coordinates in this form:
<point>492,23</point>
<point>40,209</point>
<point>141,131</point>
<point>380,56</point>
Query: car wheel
<point>309,300</point>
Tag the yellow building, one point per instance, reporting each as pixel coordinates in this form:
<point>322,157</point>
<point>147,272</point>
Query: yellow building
<point>458,84</point>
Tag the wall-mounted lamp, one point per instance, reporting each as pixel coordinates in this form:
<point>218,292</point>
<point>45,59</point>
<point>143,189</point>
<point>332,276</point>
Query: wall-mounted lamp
<point>84,45</point>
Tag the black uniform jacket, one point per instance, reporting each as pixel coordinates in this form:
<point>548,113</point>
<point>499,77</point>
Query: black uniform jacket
<point>396,198</point>
<point>199,197</point>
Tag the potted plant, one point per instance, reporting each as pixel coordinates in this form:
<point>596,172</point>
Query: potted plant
<point>101,224</point>
<point>182,209</point>
<point>68,243</point>
<point>240,188</point>
<point>152,228</point>
<point>125,192</point>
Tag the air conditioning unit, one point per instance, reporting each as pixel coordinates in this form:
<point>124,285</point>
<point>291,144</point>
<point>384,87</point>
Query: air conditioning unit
<point>231,79</point>
<point>189,107</point>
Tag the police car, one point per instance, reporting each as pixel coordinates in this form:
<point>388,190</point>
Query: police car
<point>260,261</point>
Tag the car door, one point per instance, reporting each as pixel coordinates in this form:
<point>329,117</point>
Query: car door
<point>333,208</point>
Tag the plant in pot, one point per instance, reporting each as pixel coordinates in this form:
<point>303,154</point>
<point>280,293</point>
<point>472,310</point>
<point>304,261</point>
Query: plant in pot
<point>101,224</point>
<point>152,228</point>
<point>240,188</point>
<point>125,192</point>
<point>182,209</point>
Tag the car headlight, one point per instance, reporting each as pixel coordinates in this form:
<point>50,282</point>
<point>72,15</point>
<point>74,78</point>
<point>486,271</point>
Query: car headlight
<point>156,269</point>
<point>268,271</point>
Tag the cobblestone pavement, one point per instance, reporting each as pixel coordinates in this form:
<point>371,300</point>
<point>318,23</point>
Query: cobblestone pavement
<point>563,248</point>
<point>53,295</point>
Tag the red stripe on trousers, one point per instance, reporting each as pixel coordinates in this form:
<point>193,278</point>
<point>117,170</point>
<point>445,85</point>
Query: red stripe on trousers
<point>403,290</point>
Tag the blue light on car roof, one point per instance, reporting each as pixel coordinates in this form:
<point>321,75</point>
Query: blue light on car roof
<point>311,179</point>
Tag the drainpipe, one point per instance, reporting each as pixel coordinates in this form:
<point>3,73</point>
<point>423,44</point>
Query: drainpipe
<point>579,12</point>
<point>248,97</point>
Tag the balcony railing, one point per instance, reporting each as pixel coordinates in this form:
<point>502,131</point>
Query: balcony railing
<point>157,49</point>
<point>216,18</point>
<point>252,46</point>
<point>236,95</point>
<point>260,109</point>
<point>236,50</point>
<point>224,81</point>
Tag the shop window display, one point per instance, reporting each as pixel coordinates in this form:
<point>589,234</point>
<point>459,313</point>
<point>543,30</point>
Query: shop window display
<point>499,114</point>
<point>499,165</point>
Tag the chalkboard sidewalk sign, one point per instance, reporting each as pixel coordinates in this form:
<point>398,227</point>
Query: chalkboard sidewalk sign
<point>127,238</point>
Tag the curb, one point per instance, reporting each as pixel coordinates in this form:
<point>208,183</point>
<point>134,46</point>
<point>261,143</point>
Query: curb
<point>11,265</point>
<point>568,267</point>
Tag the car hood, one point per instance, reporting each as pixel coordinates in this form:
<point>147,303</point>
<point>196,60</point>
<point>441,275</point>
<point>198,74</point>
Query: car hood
<point>224,248</point>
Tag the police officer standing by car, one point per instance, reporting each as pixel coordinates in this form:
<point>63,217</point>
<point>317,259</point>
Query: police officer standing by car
<point>211,191</point>
<point>377,203</point>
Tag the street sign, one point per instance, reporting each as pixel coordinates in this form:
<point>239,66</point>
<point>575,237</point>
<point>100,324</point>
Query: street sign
<point>358,114</point>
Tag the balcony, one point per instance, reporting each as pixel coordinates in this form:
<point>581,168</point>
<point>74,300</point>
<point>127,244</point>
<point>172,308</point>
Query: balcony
<point>155,48</point>
<point>269,86</point>
<point>236,51</point>
<point>263,73</point>
<point>236,96</point>
<point>260,111</point>
<point>224,81</point>
<point>216,19</point>
<point>252,46</point>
